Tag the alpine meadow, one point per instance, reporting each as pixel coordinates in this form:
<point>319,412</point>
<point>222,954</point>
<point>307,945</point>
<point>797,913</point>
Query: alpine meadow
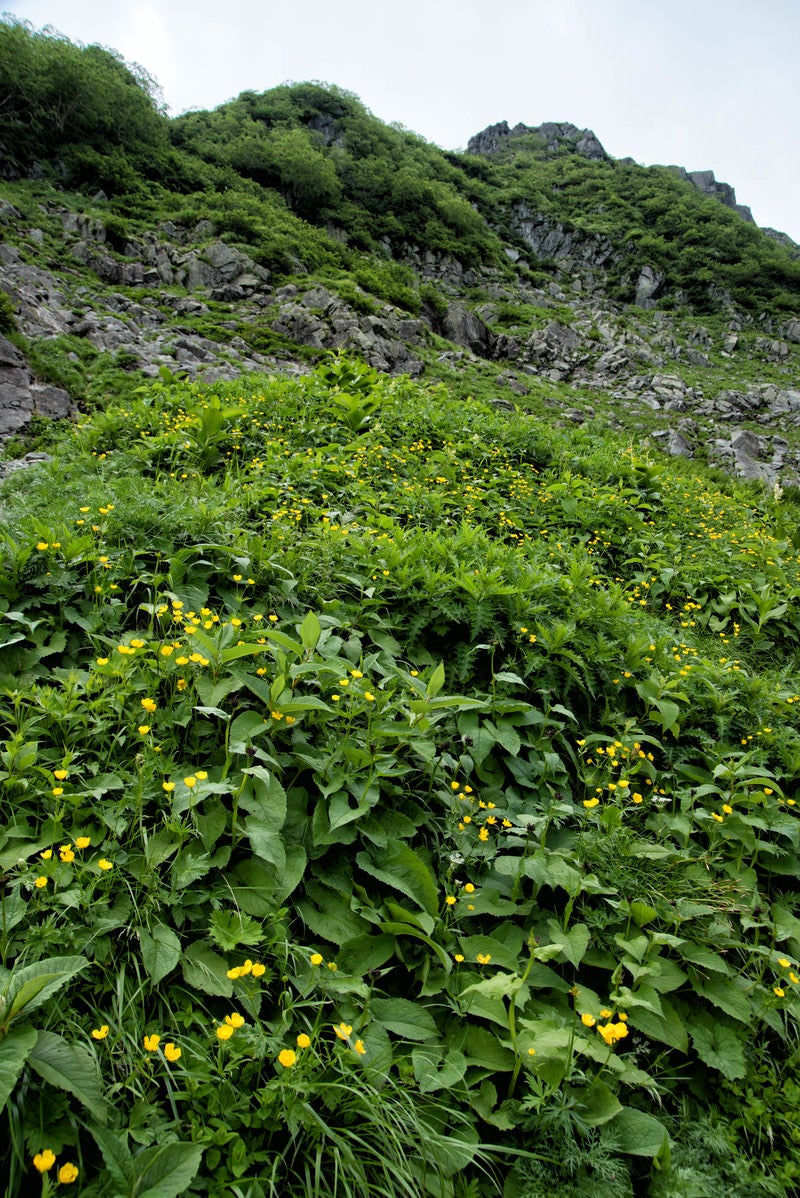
<point>399,627</point>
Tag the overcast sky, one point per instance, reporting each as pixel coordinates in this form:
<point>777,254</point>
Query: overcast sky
<point>707,84</point>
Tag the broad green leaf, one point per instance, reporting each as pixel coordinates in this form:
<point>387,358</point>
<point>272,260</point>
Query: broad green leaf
<point>718,1046</point>
<point>244,729</point>
<point>666,1026</point>
<point>407,929</point>
<point>70,1067</point>
<point>117,1157</point>
<point>436,681</point>
<point>573,944</point>
<point>639,1134</point>
<point>205,970</point>
<point>483,1050</point>
<point>436,1069</point>
<point>364,953</point>
<point>404,1018</point>
<point>310,631</point>
<point>161,950</point>
<point>725,993</point>
<point>401,868</point>
<point>597,1104</point>
<point>265,840</point>
<point>167,1170</point>
<point>14,1049</point>
<point>32,985</point>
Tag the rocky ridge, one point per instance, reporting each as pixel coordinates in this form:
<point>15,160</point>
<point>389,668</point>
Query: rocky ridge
<point>185,301</point>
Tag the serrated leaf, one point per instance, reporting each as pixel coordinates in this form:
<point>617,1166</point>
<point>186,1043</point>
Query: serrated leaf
<point>726,994</point>
<point>167,1170</point>
<point>205,970</point>
<point>639,1134</point>
<point>116,1157</point>
<point>70,1067</point>
<point>32,985</point>
<point>718,1046</point>
<point>161,950</point>
<point>14,1049</point>
<point>402,869</point>
<point>404,1018</point>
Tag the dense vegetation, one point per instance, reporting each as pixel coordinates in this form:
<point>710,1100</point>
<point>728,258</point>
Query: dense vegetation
<point>305,176</point>
<point>398,795</point>
<point>399,800</point>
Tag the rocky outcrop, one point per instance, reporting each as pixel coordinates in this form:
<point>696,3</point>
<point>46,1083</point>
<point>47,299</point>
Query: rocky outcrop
<point>557,138</point>
<point>21,397</point>
<point>706,182</point>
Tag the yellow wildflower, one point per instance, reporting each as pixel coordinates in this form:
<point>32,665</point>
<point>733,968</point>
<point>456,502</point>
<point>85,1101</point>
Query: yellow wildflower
<point>151,1043</point>
<point>287,1057</point>
<point>100,1033</point>
<point>44,1161</point>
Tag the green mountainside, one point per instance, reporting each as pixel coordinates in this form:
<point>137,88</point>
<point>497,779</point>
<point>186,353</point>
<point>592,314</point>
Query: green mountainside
<point>399,691</point>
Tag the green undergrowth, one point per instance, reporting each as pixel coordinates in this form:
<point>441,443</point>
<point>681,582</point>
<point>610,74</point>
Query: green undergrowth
<point>398,799</point>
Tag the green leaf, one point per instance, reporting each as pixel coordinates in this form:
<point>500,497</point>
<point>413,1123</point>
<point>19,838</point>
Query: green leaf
<point>436,1069</point>
<point>401,868</point>
<point>573,944</point>
<point>205,970</point>
<point>665,1026</point>
<point>404,1018</point>
<point>161,951</point>
<point>310,631</point>
<point>436,681</point>
<point>725,993</point>
<point>32,985</point>
<point>718,1046</point>
<point>70,1067</point>
<point>638,1133</point>
<point>116,1157</point>
<point>167,1170</point>
<point>597,1104</point>
<point>265,840</point>
<point>229,929</point>
<point>14,1049</point>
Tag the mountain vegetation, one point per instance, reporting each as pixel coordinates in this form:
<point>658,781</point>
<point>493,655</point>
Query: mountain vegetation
<point>398,764</point>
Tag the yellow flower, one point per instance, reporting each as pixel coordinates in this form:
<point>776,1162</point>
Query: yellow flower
<point>234,1019</point>
<point>190,781</point>
<point>172,1052</point>
<point>589,803</point>
<point>67,1173</point>
<point>42,545</point>
<point>83,842</point>
<point>100,1033</point>
<point>316,958</point>
<point>356,674</point>
<point>303,1041</point>
<point>450,900</point>
<point>149,705</point>
<point>105,864</point>
<point>234,973</point>
<point>483,834</point>
<point>201,775</point>
<point>726,807</point>
<point>784,962</point>
<point>168,787</point>
<point>60,774</point>
<point>224,1031</point>
<point>259,970</point>
<point>44,1161</point>
<point>57,790</point>
<point>101,661</point>
<point>483,958</point>
<point>779,991</point>
<point>66,854</point>
<point>151,1043</point>
<point>40,882</point>
<point>343,1030</point>
<point>287,1057</point>
<point>143,729</point>
<point>588,1020</point>
<point>793,978</point>
<point>359,1047</point>
<point>605,1013</point>
<point>469,888</point>
<point>46,855</point>
<point>368,695</point>
<point>458,958</point>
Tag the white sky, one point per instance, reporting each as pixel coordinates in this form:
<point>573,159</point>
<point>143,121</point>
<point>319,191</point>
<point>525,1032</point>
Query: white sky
<point>707,84</point>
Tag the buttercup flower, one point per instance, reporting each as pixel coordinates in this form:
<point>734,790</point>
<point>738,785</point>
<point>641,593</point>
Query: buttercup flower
<point>151,1043</point>
<point>303,1041</point>
<point>287,1057</point>
<point>83,842</point>
<point>359,1047</point>
<point>172,1052</point>
<point>100,1033</point>
<point>40,882</point>
<point>224,1031</point>
<point>234,1019</point>
<point>105,864</point>
<point>44,1161</point>
<point>67,1173</point>
<point>343,1030</point>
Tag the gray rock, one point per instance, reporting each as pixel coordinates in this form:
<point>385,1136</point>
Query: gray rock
<point>648,287</point>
